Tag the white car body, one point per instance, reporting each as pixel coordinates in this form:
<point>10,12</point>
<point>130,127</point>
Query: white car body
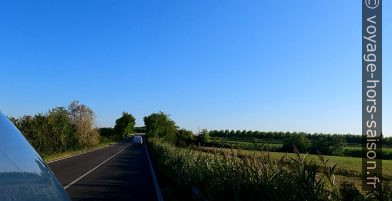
<point>24,175</point>
<point>137,140</point>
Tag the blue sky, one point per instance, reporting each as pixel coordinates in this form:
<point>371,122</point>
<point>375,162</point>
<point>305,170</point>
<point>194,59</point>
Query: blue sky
<point>265,65</point>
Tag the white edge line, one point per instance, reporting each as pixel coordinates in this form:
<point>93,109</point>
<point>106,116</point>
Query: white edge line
<point>63,158</point>
<point>85,174</point>
<point>154,178</point>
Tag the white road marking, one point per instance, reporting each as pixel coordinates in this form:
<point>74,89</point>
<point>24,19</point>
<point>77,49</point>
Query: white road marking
<point>85,174</point>
<point>154,178</point>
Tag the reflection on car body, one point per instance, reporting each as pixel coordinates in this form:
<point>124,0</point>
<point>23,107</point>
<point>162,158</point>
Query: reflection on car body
<point>23,173</point>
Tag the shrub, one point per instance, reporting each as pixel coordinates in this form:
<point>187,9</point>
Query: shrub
<point>296,142</point>
<point>60,129</point>
<point>349,192</point>
<point>184,137</point>
<point>329,145</point>
<point>204,137</point>
<point>140,129</point>
<point>83,119</point>
<point>107,132</point>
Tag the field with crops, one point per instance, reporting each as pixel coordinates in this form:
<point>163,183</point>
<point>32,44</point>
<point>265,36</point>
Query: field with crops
<point>227,174</point>
<point>346,166</point>
<point>254,165</point>
<point>349,165</point>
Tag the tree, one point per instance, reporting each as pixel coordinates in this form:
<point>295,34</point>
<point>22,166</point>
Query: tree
<point>204,136</point>
<point>296,141</point>
<point>232,133</point>
<point>160,125</point>
<point>108,133</point>
<point>140,129</point>
<point>62,129</point>
<point>329,145</point>
<point>227,133</point>
<point>184,137</point>
<point>243,133</point>
<point>84,120</point>
<point>124,124</point>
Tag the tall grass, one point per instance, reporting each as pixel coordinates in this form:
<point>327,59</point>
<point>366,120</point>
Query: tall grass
<point>224,176</point>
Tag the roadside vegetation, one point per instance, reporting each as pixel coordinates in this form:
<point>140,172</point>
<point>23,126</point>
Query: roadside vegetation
<point>345,166</point>
<point>64,131</point>
<point>197,167</point>
<point>219,165</point>
<point>226,176</point>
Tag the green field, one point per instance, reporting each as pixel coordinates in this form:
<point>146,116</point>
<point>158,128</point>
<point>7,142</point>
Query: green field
<point>233,174</point>
<point>387,151</point>
<point>346,166</point>
<point>350,150</point>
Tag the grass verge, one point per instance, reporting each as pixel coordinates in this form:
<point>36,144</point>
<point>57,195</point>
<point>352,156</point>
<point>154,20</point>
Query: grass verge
<point>57,156</point>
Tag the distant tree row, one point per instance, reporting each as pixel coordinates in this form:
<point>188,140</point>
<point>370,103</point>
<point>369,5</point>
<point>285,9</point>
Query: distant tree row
<point>159,125</point>
<point>281,136</point>
<point>329,145</point>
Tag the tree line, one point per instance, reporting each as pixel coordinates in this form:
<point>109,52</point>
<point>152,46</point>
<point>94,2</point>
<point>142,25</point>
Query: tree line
<point>160,125</point>
<point>73,127</point>
<point>69,128</point>
<point>281,136</point>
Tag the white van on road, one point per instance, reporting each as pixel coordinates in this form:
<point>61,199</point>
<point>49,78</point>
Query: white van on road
<point>137,140</point>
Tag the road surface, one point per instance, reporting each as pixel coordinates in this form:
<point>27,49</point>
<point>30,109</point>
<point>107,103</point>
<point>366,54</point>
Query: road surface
<point>118,172</point>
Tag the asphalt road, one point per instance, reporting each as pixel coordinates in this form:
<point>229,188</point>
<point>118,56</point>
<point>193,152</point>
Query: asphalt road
<point>118,172</point>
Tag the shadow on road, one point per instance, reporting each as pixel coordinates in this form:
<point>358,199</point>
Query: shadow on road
<point>125,177</point>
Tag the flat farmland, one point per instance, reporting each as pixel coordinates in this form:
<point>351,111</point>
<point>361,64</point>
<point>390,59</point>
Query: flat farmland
<point>346,166</point>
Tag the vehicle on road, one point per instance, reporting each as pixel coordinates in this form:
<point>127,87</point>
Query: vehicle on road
<point>138,140</point>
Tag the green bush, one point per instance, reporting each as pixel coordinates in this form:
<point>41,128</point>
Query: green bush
<point>296,143</point>
<point>160,125</point>
<point>350,193</point>
<point>60,129</point>
<point>49,133</point>
<point>204,137</point>
<point>184,137</point>
<point>140,129</point>
<point>329,145</point>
